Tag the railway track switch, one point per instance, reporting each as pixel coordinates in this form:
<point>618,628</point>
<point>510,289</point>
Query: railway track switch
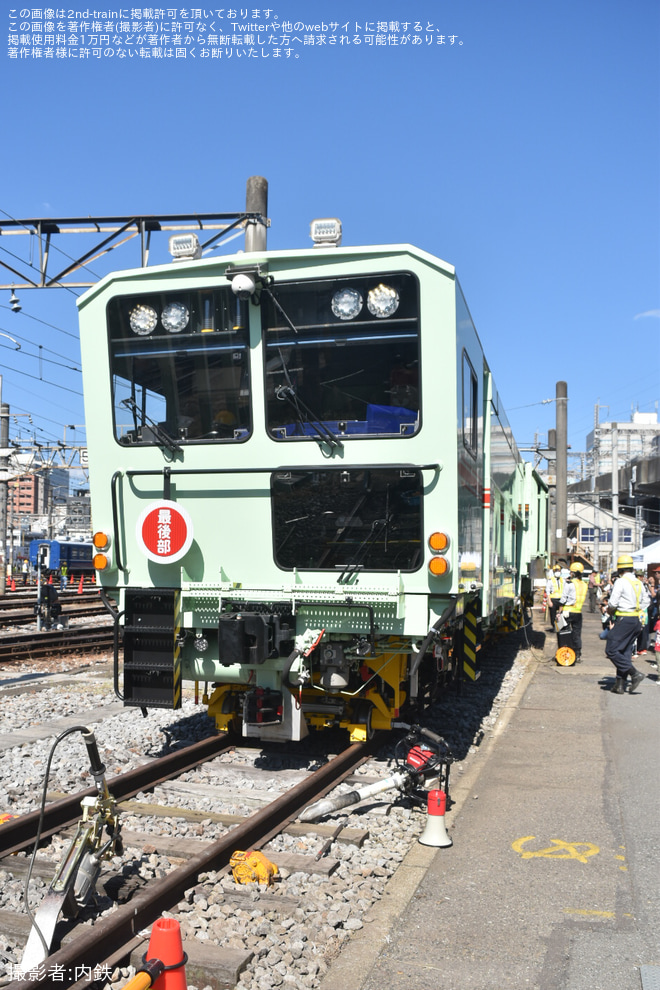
<point>74,882</point>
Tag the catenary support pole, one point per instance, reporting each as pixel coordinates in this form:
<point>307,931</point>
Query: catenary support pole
<point>615,493</point>
<point>4,487</point>
<point>256,201</point>
<point>562,462</point>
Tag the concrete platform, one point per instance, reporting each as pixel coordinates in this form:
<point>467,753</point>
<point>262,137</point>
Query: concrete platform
<point>553,880</point>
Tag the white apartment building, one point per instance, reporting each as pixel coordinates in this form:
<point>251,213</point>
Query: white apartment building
<point>637,438</point>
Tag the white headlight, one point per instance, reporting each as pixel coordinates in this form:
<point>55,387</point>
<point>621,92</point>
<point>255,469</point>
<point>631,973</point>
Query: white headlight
<point>175,317</point>
<point>383,301</point>
<point>143,319</point>
<point>346,303</point>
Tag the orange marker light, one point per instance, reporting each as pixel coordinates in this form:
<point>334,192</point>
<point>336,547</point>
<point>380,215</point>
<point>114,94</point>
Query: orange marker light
<point>439,566</point>
<point>438,542</point>
<point>101,540</point>
<point>100,561</point>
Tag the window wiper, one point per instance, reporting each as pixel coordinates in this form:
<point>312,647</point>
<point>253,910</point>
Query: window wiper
<point>287,393</point>
<point>162,436</point>
<point>304,415</point>
<point>378,526</point>
<point>354,565</point>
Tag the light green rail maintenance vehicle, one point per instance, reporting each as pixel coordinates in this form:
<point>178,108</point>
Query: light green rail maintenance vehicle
<point>305,491</point>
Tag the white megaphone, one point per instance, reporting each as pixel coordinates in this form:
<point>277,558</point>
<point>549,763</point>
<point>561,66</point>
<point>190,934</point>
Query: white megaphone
<point>435,833</point>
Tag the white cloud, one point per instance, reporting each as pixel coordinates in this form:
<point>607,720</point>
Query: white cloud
<point>649,312</point>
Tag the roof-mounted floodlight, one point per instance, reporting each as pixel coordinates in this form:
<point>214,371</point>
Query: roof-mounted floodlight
<point>326,233</point>
<point>185,247</point>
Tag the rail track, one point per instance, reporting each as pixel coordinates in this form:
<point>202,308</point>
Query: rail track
<point>18,834</point>
<point>20,611</point>
<point>112,937</point>
<point>243,922</point>
<point>53,643</point>
<point>22,599</point>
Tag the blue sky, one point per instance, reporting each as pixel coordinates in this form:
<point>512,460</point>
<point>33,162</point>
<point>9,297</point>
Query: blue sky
<point>526,154</point>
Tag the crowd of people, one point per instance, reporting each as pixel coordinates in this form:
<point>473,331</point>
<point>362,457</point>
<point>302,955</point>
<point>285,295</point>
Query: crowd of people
<point>629,605</point>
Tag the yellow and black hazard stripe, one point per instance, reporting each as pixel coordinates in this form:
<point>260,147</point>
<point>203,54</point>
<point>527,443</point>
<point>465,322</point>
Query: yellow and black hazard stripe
<point>470,645</point>
<point>515,618</point>
<point>510,620</point>
<point>176,666</point>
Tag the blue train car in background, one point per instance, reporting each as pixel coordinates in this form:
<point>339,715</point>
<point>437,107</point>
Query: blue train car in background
<point>54,553</point>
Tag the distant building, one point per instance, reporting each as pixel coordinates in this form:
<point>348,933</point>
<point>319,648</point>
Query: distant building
<point>36,493</point>
<point>79,515</point>
<point>590,527</point>
<point>58,483</point>
<point>27,495</point>
<point>638,438</point>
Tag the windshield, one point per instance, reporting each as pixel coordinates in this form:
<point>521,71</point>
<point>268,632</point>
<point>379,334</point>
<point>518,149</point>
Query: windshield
<point>342,356</point>
<point>347,520</point>
<point>180,368</point>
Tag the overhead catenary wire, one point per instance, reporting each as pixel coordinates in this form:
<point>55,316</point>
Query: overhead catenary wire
<point>52,326</point>
<point>45,381</point>
<point>39,355</point>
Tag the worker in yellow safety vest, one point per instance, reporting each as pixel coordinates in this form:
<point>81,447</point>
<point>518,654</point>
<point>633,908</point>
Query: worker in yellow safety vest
<point>570,604</point>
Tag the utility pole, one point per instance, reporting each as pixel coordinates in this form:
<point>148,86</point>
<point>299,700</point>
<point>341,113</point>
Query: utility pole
<point>595,459</point>
<point>562,467</point>
<point>615,494</point>
<point>552,493</point>
<point>256,201</point>
<point>4,488</point>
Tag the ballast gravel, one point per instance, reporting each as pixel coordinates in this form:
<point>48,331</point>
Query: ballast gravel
<point>292,929</point>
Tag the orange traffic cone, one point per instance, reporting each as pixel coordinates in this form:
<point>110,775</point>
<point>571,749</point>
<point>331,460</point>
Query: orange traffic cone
<point>13,585</point>
<point>50,579</point>
<point>165,945</point>
<point>80,586</point>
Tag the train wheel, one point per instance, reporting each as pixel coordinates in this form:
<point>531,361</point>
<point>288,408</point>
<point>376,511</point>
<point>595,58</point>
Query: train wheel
<point>362,727</point>
<point>565,656</point>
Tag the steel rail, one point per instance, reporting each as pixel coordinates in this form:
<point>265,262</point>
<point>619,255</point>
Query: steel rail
<point>45,644</point>
<point>18,834</point>
<point>21,599</point>
<point>92,947</point>
<point>25,618</point>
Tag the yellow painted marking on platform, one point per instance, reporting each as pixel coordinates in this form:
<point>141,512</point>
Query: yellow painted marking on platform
<point>596,914</point>
<point>558,850</point>
<point>620,857</point>
<point>624,869</point>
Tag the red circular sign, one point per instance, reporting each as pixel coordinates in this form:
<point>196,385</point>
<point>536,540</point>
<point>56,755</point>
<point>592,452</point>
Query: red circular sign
<point>164,532</point>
